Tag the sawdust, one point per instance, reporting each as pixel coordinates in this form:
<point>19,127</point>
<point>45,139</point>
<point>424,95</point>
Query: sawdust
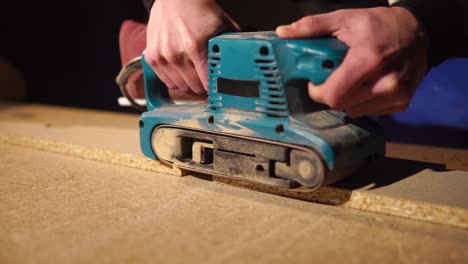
<point>235,120</point>
<point>166,140</point>
<point>92,153</point>
<point>365,201</point>
<point>225,123</point>
<point>62,209</point>
<point>191,123</point>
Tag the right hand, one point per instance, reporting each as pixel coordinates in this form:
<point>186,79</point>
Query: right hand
<point>177,39</point>
<point>386,61</point>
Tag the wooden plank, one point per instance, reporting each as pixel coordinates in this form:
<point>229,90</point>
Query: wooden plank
<point>56,207</point>
<point>60,209</point>
<point>360,200</point>
<point>419,182</point>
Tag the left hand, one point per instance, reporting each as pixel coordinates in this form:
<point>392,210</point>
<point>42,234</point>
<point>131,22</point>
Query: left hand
<point>386,60</point>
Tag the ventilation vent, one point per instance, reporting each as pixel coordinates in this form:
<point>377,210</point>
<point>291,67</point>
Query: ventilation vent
<point>273,99</point>
<point>214,70</point>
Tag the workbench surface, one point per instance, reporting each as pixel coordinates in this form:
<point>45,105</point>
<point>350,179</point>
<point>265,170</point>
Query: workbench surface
<point>60,207</point>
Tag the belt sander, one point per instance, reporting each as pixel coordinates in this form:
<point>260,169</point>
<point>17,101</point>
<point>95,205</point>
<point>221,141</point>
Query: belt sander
<point>258,123</point>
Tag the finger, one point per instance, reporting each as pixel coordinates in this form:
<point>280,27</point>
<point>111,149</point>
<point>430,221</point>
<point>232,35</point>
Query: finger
<point>163,76</point>
<point>381,105</point>
<point>175,73</point>
<point>170,75</point>
<point>174,63</point>
<point>367,90</point>
<point>181,96</point>
<point>389,84</point>
<point>200,62</point>
<point>190,76</point>
<point>391,110</point>
<point>311,26</point>
<point>356,67</point>
<point>157,63</point>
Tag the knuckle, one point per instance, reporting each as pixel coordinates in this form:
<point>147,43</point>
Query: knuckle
<point>341,15</point>
<point>159,58</point>
<point>367,18</point>
<point>150,60</point>
<point>197,90</point>
<point>195,87</point>
<point>368,61</point>
<point>193,47</point>
<point>155,59</point>
<point>308,21</point>
<point>172,57</point>
<point>183,87</point>
<point>374,58</point>
<point>339,12</point>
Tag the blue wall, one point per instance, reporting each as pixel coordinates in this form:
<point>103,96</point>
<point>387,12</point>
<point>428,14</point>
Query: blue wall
<point>437,114</point>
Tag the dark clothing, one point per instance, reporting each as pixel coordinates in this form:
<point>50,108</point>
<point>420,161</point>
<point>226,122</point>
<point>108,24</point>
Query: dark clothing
<point>280,12</point>
<point>445,22</point>
<point>326,5</point>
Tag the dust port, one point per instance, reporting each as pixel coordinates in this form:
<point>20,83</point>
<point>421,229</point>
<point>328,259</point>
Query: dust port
<point>215,49</point>
<point>210,119</point>
<point>328,64</point>
<point>279,129</point>
<point>259,168</point>
<point>264,51</point>
<point>141,124</point>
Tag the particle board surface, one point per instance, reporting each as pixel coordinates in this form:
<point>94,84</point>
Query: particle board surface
<point>60,208</point>
<point>423,173</point>
<point>355,199</point>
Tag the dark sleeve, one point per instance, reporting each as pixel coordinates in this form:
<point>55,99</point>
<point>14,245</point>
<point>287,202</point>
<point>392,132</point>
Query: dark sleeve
<point>148,4</point>
<point>332,5</point>
<point>446,25</point>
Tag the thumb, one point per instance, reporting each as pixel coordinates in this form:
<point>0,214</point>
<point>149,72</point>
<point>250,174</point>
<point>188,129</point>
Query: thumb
<point>310,26</point>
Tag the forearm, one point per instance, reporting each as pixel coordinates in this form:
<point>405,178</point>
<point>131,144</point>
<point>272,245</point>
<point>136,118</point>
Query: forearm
<point>445,24</point>
<point>148,4</point>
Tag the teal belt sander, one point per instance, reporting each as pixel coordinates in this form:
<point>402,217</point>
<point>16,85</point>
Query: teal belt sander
<point>258,123</point>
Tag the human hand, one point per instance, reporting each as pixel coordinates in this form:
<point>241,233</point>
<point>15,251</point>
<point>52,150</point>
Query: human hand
<point>386,60</point>
<point>177,39</point>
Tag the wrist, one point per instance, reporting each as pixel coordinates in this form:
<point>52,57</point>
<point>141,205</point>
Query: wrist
<point>410,23</point>
<point>408,19</point>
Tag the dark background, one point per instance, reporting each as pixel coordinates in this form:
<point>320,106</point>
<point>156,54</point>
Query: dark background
<point>68,54</point>
<point>68,51</point>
